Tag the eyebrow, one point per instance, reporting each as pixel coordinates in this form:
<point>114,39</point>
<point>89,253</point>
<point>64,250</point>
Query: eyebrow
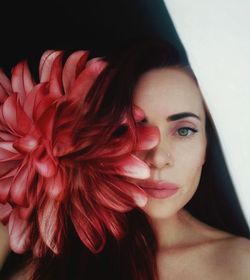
<point>183,115</point>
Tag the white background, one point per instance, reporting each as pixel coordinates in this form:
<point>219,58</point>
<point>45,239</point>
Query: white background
<point>216,37</point>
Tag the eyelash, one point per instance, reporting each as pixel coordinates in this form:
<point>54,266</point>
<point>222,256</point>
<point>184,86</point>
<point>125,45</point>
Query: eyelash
<point>192,130</point>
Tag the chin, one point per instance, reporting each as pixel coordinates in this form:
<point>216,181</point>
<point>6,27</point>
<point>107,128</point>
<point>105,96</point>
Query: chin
<point>167,208</point>
<point>160,209</point>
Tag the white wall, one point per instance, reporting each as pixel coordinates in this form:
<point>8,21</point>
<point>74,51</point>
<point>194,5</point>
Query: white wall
<point>216,37</point>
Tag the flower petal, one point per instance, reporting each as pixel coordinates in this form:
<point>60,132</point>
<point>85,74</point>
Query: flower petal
<point>26,144</point>
<point>138,115</point>
<point>46,63</point>
<point>17,81</point>
<point>148,137</point>
<point>49,226</point>
<point>20,185</point>
<point>86,79</point>
<point>7,137</point>
<point>5,185</point>
<point>75,63</point>
<point>19,232</point>
<point>21,80</point>
<point>8,167</point>
<point>24,122</point>
<point>120,195</point>
<point>29,101</point>
<point>55,81</point>
<point>43,101</point>
<point>56,186</point>
<point>133,167</point>
<point>44,163</point>
<point>9,112</point>
<point>45,124</point>
<point>7,155</point>
<point>5,82</point>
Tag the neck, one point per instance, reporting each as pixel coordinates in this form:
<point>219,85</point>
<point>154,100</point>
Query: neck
<point>176,231</point>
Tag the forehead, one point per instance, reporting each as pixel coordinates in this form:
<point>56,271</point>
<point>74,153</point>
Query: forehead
<point>168,90</point>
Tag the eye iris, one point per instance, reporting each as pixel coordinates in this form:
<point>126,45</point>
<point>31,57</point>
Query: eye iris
<point>183,131</point>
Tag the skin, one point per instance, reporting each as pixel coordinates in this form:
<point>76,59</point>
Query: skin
<point>4,244</point>
<point>187,247</point>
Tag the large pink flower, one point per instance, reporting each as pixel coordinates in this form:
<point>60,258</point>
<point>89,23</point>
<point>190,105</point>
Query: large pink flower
<point>52,171</point>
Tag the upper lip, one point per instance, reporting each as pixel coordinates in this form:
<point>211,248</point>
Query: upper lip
<point>158,184</point>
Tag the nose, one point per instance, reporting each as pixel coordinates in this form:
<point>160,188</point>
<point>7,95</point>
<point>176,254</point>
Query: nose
<point>159,157</point>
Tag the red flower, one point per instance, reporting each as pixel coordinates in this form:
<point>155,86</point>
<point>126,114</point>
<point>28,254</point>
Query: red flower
<point>52,171</point>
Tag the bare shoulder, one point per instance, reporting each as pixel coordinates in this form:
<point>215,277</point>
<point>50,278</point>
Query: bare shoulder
<point>240,246</point>
<point>237,256</point>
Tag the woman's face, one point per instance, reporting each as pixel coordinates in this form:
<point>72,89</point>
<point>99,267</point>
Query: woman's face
<point>172,101</point>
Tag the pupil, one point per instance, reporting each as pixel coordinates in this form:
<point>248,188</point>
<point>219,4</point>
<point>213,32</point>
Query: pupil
<point>183,131</point>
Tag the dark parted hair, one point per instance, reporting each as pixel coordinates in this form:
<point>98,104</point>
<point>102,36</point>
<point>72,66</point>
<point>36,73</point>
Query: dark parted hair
<point>134,256</point>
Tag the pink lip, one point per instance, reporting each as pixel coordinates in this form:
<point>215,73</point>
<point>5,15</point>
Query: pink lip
<point>159,189</point>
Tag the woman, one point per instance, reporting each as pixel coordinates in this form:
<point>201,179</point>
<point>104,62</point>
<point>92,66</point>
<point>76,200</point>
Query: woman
<point>162,239</point>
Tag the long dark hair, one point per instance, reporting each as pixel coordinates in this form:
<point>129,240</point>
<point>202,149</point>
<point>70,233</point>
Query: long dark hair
<point>134,256</point>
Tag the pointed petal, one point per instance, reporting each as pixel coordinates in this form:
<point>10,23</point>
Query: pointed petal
<point>55,81</point>
<point>46,63</point>
<point>138,115</point>
<point>20,185</point>
<point>21,80</point>
<point>63,142</point>
<point>9,112</point>
<point>96,65</point>
<point>148,137</point>
<point>29,102</point>
<point>7,137</point>
<point>27,79</point>
<point>19,232</point>
<point>131,166</point>
<point>56,186</point>
<point>26,144</point>
<point>120,195</point>
<point>7,155</point>
<point>43,101</point>
<point>49,226</point>
<point>17,81</point>
<point>7,167</point>
<point>24,122</point>
<point>74,64</point>
<point>45,124</point>
<point>112,196</point>
<point>86,79</point>
<point>44,163</point>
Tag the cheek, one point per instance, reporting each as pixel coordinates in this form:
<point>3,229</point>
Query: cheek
<point>190,160</point>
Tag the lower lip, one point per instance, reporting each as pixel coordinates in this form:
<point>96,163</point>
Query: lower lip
<point>160,193</point>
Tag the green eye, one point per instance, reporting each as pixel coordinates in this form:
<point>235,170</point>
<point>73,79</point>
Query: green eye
<point>186,131</point>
